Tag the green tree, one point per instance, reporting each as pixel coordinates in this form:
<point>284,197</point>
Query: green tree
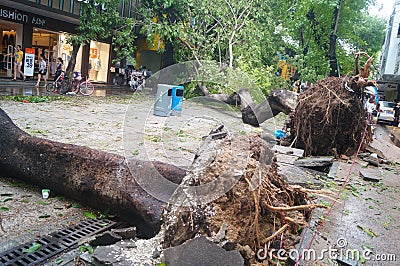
<point>316,36</point>
<point>326,34</point>
<point>232,32</point>
<point>100,20</point>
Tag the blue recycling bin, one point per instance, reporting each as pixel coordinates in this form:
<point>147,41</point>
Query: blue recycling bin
<point>177,98</point>
<point>162,105</point>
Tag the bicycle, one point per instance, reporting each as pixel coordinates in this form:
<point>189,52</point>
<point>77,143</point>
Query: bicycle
<point>58,85</point>
<point>85,87</point>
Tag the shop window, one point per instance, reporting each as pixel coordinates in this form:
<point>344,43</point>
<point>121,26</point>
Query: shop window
<point>76,8</point>
<point>98,61</point>
<point>55,4</point>
<point>129,14</point>
<point>68,6</point>
<point>43,2</point>
<point>121,8</point>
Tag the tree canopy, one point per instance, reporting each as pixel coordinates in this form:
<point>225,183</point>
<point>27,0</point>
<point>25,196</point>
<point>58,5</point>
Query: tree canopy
<point>99,21</point>
<point>317,37</point>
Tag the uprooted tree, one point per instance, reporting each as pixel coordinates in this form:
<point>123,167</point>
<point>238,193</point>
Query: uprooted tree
<point>259,203</point>
<point>330,118</point>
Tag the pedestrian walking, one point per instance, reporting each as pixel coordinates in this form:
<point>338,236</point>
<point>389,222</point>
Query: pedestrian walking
<point>18,55</point>
<point>42,71</point>
<point>396,115</point>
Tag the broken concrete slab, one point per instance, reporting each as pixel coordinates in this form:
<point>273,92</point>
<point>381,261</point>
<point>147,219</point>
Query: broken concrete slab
<point>110,255</point>
<point>373,160</point>
<point>346,262</point>
<point>372,175</point>
<point>129,252</point>
<point>300,176</point>
<point>361,162</point>
<point>333,170</point>
<point>106,238</point>
<point>284,158</point>
<point>373,150</point>
<point>125,233</point>
<point>288,150</point>
<point>314,161</point>
<point>394,135</point>
<point>201,251</point>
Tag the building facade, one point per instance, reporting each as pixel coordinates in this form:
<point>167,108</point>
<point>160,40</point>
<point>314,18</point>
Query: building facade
<point>389,76</point>
<point>44,25</point>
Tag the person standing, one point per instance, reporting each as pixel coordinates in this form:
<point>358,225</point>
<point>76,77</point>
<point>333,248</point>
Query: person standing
<point>18,55</point>
<point>396,115</point>
<point>59,70</point>
<point>371,107</point>
<point>42,71</point>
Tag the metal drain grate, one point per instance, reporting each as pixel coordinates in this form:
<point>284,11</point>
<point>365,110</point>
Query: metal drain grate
<point>54,243</point>
<point>72,236</point>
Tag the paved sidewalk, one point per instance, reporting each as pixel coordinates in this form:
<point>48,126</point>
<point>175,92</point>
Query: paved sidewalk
<point>27,88</point>
<point>363,226</point>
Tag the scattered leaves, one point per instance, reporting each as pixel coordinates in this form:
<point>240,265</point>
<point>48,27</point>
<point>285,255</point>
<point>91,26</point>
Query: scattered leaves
<point>6,199</point>
<point>368,231</point>
<point>90,215</point>
<point>84,248</point>
<point>367,246</point>
<point>35,246</point>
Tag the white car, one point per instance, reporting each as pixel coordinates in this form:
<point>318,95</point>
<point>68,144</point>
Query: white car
<point>386,112</point>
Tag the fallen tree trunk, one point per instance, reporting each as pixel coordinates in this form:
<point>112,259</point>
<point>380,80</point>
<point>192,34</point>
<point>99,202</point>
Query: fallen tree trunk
<point>279,100</point>
<point>96,178</point>
<point>233,99</point>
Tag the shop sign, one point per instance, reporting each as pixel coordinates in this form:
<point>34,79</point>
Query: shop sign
<point>67,47</point>
<point>29,61</point>
<point>93,52</point>
<point>17,16</point>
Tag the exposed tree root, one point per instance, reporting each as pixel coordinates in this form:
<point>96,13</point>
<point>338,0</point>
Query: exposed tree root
<point>254,215</point>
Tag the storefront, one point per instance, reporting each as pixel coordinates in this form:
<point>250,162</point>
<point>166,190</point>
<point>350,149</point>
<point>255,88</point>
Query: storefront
<point>98,61</point>
<point>46,30</point>
<point>45,26</point>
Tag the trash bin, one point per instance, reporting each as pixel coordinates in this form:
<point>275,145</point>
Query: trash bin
<point>177,98</point>
<point>162,105</point>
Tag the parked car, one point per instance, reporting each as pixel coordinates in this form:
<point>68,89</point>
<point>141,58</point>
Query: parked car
<point>386,112</point>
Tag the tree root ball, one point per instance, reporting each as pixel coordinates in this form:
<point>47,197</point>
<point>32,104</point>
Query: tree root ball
<point>329,118</point>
